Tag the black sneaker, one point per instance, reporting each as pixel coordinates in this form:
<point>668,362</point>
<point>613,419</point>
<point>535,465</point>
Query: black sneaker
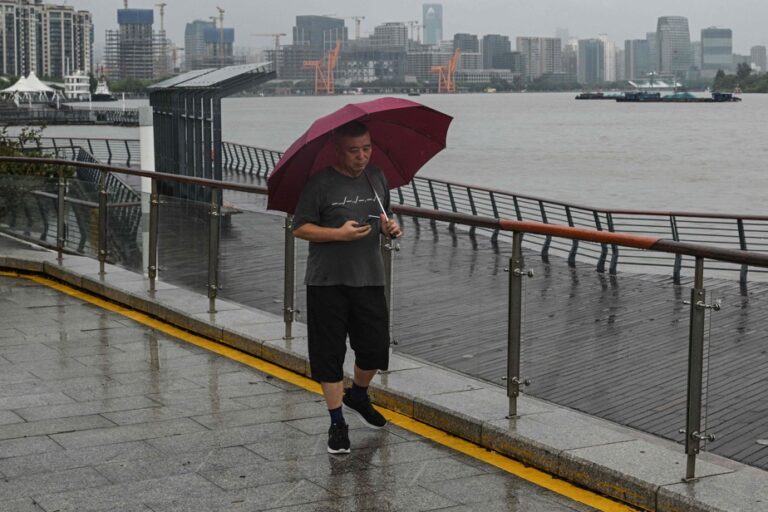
<point>363,410</point>
<point>338,438</point>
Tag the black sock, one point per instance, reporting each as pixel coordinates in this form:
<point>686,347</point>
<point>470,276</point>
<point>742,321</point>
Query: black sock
<point>358,393</point>
<point>336,415</point>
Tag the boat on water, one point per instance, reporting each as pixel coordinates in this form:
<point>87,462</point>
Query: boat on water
<point>598,95</point>
<point>102,92</point>
<point>677,97</point>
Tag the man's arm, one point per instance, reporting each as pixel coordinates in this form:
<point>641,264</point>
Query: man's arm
<point>351,230</point>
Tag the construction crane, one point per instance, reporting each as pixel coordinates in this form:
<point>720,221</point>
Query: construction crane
<point>125,4</point>
<point>357,19</point>
<point>275,35</point>
<point>415,30</point>
<point>446,81</point>
<point>162,14</point>
<point>324,83</point>
<point>221,35</point>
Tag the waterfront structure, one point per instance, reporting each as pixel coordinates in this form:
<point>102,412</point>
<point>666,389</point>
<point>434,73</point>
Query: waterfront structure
<point>673,46</point>
<point>320,33</point>
<point>130,50</point>
<point>484,76</point>
<point>467,43</point>
<point>591,62</point>
<point>432,21</point>
<point>637,59</point>
<point>77,86</point>
<point>541,55</point>
<point>494,44</point>
<point>45,39</point>
<point>716,51</point>
<point>390,35</point>
<point>757,55</point>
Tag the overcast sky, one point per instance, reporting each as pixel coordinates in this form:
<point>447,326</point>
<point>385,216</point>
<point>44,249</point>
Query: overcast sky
<point>620,19</point>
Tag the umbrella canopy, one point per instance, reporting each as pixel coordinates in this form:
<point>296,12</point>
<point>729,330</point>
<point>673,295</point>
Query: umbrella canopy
<point>405,135</point>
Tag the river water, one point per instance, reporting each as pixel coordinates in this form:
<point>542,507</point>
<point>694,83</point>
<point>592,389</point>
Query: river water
<point>694,157</point>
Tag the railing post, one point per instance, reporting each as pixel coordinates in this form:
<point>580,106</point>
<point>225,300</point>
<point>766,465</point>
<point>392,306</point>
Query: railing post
<point>743,247</point>
<point>693,434</point>
<point>154,220</point>
<point>102,254</point>
<point>676,269</point>
<point>514,325</point>
<point>213,250</point>
<point>61,193</point>
<point>388,248</point>
<point>289,296</point>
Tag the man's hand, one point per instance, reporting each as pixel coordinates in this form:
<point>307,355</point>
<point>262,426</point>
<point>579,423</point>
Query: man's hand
<point>389,227</point>
<point>352,230</point>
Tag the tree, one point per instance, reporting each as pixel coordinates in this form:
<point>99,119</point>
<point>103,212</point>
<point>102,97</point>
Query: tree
<point>92,83</point>
<point>743,70</point>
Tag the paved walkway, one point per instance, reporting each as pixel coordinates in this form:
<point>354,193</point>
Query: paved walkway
<point>98,412</point>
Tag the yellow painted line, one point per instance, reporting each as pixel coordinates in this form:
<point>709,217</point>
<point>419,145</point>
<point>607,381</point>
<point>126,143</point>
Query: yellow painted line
<point>473,450</point>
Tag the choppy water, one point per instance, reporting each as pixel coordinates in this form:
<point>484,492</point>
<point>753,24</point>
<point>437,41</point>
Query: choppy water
<point>695,157</point>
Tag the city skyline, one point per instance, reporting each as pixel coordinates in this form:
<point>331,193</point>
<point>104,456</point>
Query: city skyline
<point>583,19</point>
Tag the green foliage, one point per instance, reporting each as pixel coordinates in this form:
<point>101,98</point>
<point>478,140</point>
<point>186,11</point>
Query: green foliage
<point>18,179</point>
<point>743,70</point>
<point>92,83</point>
<point>746,81</point>
<point>130,85</point>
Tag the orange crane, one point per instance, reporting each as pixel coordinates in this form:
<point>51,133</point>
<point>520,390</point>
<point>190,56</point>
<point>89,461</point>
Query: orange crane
<point>446,81</point>
<point>324,83</point>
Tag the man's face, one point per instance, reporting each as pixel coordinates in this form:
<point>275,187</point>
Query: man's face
<point>353,153</point>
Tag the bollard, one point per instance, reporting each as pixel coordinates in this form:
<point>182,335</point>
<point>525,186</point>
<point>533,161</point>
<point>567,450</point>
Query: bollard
<point>62,193</point>
<point>693,434</point>
<point>213,251</point>
<point>102,221</point>
<point>154,220</point>
<point>289,282</point>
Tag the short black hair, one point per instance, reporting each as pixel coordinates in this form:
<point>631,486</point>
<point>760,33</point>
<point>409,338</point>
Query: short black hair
<point>350,129</point>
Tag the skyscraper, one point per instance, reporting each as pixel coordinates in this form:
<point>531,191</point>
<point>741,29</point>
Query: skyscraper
<point>591,62</point>
<point>194,44</point>
<point>541,55</point>
<point>494,44</point>
<point>130,48</point>
<point>51,40</point>
<point>609,54</point>
<point>637,59</point>
<point>467,43</point>
<point>433,23</point>
<point>319,32</point>
<point>673,40</point>
<point>716,51</point>
<point>758,57</point>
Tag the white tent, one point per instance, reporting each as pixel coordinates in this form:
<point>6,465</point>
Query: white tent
<point>37,85</point>
<point>30,88</point>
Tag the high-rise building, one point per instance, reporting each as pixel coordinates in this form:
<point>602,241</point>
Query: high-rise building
<point>696,49</point>
<point>542,55</point>
<point>591,69</point>
<point>673,40</point>
<point>421,62</point>
<point>194,44</point>
<point>130,49</point>
<point>571,60</point>
<point>51,40</point>
<point>758,57</point>
<point>319,32</point>
<point>637,59</point>
<point>390,35</point>
<point>564,36</point>
<point>494,44</point>
<point>621,70</point>
<point>432,22</point>
<point>513,61</point>
<point>716,51</point>
<point>609,54</point>
<point>653,51</point>
<point>467,43</point>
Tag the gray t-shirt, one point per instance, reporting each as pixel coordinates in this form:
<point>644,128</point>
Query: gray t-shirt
<point>330,199</point>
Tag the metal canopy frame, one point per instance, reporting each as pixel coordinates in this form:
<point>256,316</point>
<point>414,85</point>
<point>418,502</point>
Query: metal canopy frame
<point>187,122</point>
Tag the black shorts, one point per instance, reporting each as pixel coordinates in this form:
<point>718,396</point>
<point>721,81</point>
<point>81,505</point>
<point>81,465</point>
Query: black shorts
<point>333,312</point>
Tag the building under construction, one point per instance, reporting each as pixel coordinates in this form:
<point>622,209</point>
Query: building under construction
<point>130,50</point>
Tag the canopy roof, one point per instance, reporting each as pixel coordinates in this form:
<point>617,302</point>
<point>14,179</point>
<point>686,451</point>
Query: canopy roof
<point>30,84</point>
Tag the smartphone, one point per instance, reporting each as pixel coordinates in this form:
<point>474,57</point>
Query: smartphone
<point>371,219</point>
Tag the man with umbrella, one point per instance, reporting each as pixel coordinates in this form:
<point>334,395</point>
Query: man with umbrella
<point>335,180</point>
<point>341,211</point>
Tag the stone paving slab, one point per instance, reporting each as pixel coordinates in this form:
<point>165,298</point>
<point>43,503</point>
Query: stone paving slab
<point>166,441</point>
<point>543,435</point>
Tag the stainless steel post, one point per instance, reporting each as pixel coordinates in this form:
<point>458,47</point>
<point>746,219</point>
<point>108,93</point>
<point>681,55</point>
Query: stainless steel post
<point>154,220</point>
<point>102,255</point>
<point>289,284</point>
<point>514,322</point>
<point>388,247</point>
<point>213,251</point>
<point>693,434</point>
<point>62,193</point>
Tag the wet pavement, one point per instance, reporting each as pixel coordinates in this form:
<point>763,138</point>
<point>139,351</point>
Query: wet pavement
<point>98,412</point>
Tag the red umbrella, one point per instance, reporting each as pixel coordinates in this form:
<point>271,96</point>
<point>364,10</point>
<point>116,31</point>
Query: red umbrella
<point>405,135</point>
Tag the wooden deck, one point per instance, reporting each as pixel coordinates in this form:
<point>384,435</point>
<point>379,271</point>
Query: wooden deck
<point>615,347</point>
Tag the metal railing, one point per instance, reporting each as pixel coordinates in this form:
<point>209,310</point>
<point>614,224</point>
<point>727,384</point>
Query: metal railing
<point>736,231</point>
<point>698,300</point>
<point>73,116</point>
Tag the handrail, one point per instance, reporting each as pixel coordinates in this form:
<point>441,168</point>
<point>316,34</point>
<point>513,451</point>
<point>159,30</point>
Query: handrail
<point>555,230</point>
